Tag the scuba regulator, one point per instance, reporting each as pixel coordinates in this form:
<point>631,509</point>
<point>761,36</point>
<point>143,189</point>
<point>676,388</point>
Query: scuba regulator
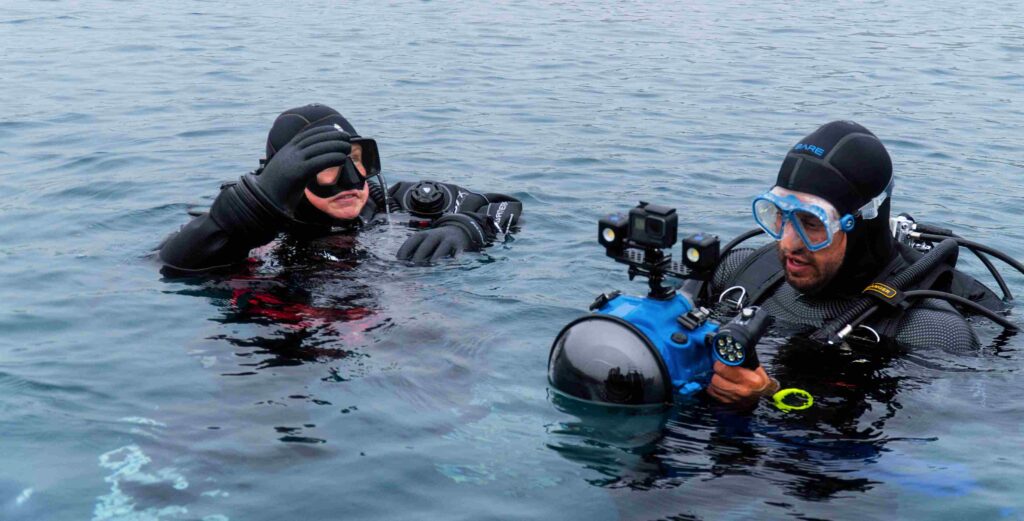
<point>648,350</point>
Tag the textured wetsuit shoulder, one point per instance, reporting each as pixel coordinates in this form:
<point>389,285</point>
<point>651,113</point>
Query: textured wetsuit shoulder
<point>933,323</point>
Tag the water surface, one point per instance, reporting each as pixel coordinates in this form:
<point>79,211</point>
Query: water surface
<point>358,388</point>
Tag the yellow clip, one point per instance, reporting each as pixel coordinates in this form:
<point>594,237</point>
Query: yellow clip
<point>780,399</point>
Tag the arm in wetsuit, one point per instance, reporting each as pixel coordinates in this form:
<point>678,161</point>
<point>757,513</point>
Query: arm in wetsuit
<point>215,239</point>
<point>465,220</point>
<point>237,223</point>
<point>254,210</point>
<point>935,323</point>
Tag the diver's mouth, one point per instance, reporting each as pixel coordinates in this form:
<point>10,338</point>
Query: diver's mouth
<point>350,195</point>
<point>796,265</point>
<point>796,260</point>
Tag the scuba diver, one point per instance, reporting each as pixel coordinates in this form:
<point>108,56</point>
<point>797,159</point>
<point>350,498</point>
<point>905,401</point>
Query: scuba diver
<point>843,282</point>
<point>829,216</point>
<point>321,178</point>
<point>838,271</point>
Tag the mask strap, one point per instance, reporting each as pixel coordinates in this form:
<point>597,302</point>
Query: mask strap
<point>870,211</point>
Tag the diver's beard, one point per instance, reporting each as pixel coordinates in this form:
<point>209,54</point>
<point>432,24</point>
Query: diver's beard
<point>809,287</point>
<point>812,288</point>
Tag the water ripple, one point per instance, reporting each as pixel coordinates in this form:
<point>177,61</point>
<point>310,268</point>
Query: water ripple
<point>428,386</point>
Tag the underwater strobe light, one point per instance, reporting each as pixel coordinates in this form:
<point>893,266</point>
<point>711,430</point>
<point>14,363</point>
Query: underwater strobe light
<point>612,231</point>
<point>734,342</point>
<point>700,253</point>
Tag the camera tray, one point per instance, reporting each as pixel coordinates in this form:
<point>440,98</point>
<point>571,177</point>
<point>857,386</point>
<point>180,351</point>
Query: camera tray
<point>654,265</point>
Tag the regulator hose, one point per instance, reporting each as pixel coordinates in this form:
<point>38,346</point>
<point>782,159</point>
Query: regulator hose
<point>928,230</point>
<point>379,194</point>
<point>957,299</point>
<point>995,274</point>
<point>949,297</point>
<point>834,330</point>
<point>976,246</point>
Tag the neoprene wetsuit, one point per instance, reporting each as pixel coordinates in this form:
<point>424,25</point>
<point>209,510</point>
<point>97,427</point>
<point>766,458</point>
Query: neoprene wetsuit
<point>928,323</point>
<point>847,168</point>
<point>204,244</point>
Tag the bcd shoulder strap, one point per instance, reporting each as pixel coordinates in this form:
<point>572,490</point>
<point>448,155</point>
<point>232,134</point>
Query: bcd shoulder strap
<point>759,274</point>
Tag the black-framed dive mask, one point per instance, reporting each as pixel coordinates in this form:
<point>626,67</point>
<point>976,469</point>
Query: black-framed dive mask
<point>349,177</point>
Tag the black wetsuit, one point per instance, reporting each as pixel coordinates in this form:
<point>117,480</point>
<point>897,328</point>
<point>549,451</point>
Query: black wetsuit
<point>848,166</point>
<point>204,244</point>
<point>928,323</point>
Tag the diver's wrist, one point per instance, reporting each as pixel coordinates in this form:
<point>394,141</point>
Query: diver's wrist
<point>239,211</point>
<point>465,223</point>
<point>770,387</point>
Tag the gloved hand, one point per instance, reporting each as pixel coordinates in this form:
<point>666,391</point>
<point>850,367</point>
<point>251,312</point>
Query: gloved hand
<point>286,175</point>
<point>434,244</point>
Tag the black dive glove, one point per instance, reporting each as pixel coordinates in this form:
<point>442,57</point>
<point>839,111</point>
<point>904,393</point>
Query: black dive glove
<point>259,205</point>
<point>450,235</point>
<point>434,244</point>
<point>283,180</point>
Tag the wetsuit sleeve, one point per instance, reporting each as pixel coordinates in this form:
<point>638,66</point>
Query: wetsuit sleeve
<point>934,323</point>
<point>484,216</point>
<point>502,212</point>
<point>235,224</point>
<point>481,215</point>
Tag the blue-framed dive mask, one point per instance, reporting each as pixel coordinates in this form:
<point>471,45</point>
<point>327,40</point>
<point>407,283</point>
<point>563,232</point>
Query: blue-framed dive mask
<point>815,222</point>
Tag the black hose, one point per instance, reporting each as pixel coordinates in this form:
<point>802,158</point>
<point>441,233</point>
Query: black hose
<point>913,274</point>
<point>928,229</point>
<point>974,306</point>
<point>957,299</point>
<point>384,201</point>
<point>739,238</point>
<point>979,247</point>
<point>995,274</point>
<point>705,287</point>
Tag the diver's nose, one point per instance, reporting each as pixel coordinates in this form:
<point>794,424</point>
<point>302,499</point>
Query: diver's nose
<point>790,241</point>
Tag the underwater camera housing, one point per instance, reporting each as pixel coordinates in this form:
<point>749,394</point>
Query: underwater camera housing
<point>649,350</point>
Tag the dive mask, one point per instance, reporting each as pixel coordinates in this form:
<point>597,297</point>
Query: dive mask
<point>349,177</point>
<point>816,221</point>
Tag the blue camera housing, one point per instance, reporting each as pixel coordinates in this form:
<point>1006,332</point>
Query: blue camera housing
<point>686,356</point>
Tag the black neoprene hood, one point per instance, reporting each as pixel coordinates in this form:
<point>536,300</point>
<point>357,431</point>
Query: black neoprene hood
<point>842,162</point>
<point>848,166</point>
<point>292,121</point>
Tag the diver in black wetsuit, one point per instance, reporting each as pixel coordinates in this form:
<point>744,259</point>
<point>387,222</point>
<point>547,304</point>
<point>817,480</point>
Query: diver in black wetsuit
<point>829,215</point>
<point>320,177</point>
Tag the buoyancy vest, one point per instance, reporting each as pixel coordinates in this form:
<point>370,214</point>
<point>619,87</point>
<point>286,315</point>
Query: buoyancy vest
<point>761,273</point>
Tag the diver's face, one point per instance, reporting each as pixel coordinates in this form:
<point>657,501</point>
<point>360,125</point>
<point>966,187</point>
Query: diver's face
<point>349,203</point>
<point>809,271</point>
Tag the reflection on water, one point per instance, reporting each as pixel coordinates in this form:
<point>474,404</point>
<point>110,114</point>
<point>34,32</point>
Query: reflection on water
<point>281,289</point>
